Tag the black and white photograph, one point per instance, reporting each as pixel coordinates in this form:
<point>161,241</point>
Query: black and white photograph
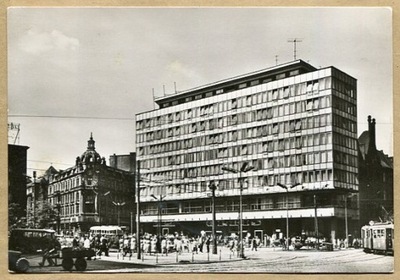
<point>200,139</point>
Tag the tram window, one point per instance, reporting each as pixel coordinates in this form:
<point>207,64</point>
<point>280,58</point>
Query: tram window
<point>375,233</point>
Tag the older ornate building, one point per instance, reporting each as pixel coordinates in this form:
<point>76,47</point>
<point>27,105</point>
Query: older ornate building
<point>376,178</point>
<point>89,193</point>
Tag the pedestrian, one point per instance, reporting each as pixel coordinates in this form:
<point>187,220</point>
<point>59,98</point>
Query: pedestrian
<point>231,245</point>
<point>254,247</point>
<point>201,244</point>
<point>75,242</point>
<point>104,246</point>
<point>86,246</point>
<point>164,246</point>
<point>51,251</point>
<point>153,245</point>
<point>133,244</point>
<point>208,241</point>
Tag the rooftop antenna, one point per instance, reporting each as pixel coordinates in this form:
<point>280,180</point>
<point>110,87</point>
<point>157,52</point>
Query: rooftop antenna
<point>175,87</point>
<point>294,41</point>
<point>276,59</point>
<point>164,89</point>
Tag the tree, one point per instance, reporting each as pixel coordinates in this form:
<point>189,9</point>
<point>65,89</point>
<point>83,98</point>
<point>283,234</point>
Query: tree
<point>46,214</point>
<point>16,216</point>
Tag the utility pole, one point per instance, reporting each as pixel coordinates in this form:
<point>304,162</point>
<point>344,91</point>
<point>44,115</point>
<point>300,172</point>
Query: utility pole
<point>138,248</point>
<point>287,209</point>
<point>244,169</point>
<point>214,230</point>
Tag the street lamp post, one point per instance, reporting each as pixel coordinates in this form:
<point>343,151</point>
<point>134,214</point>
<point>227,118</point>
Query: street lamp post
<point>287,210</point>
<point>214,234</point>
<point>58,206</point>
<point>245,168</point>
<point>159,214</point>
<point>119,205</point>
<point>316,220</point>
<point>316,217</point>
<point>98,202</point>
<point>345,218</point>
<point>99,207</point>
<point>348,193</point>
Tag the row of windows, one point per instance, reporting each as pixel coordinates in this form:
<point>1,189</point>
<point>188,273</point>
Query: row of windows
<point>68,210</point>
<point>344,123</point>
<point>295,142</point>
<point>229,204</point>
<point>344,105</point>
<point>229,89</point>
<point>65,198</point>
<point>65,185</point>
<point>259,164</point>
<point>255,182</point>
<point>261,130</point>
<point>233,88</point>
<point>344,141</point>
<point>259,98</point>
<point>262,114</point>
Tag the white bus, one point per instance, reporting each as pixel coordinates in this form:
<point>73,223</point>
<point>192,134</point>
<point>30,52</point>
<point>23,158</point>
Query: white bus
<point>106,230</point>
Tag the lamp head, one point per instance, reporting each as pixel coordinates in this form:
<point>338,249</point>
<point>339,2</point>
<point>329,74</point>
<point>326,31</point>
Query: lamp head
<point>246,167</point>
<point>229,169</point>
<point>282,186</point>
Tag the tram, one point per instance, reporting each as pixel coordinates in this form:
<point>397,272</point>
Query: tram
<point>378,238</point>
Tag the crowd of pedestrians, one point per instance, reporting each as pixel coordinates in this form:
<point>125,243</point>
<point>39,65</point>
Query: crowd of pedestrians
<point>180,243</point>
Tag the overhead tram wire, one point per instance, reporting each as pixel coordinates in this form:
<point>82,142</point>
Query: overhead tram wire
<point>51,162</point>
<point>68,117</point>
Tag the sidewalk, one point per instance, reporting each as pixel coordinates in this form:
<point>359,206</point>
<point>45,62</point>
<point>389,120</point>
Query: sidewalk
<point>224,255</point>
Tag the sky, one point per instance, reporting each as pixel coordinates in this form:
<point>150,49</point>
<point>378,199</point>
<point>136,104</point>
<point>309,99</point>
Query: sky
<point>77,71</point>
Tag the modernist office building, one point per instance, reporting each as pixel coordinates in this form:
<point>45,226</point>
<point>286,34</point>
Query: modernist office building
<point>296,125</point>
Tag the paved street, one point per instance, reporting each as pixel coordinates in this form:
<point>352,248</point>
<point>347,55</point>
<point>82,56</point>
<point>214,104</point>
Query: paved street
<point>265,260</point>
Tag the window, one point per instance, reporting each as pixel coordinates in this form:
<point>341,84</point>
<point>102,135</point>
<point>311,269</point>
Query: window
<point>248,100</point>
<point>275,128</point>
<point>234,103</point>
<point>286,92</point>
<point>253,83</point>
<point>281,76</point>
<point>275,94</point>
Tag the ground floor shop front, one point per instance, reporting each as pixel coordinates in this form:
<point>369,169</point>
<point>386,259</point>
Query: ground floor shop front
<point>327,225</point>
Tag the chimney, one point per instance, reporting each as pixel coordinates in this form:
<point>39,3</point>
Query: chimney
<point>372,134</point>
